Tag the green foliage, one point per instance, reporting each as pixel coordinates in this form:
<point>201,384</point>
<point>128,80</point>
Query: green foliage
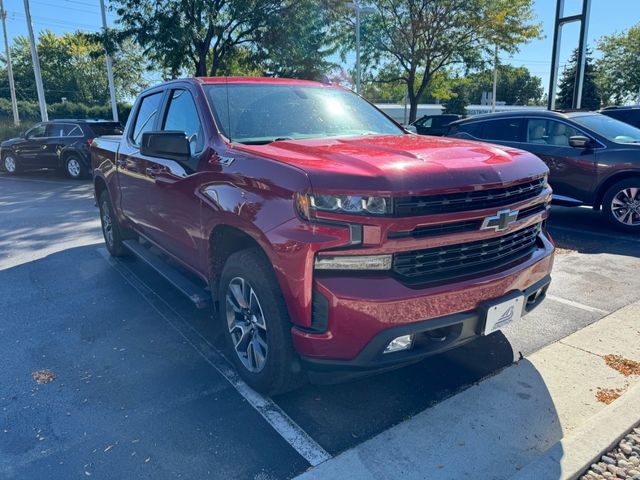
<point>590,93</point>
<point>618,70</point>
<point>73,67</point>
<point>459,97</point>
<point>222,37</point>
<point>516,86</point>
<point>30,113</point>
<point>423,37</point>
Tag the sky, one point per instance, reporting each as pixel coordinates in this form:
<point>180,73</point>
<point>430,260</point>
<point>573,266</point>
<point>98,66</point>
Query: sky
<point>607,17</point>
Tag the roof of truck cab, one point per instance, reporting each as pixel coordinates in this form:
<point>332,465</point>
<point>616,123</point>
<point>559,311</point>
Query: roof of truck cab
<point>263,80</point>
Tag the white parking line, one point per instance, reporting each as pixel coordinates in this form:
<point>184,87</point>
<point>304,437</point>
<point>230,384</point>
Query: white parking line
<point>608,236</point>
<point>581,306</point>
<point>289,430</point>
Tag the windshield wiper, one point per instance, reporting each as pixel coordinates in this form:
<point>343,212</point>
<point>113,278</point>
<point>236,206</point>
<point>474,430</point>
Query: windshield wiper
<point>265,141</point>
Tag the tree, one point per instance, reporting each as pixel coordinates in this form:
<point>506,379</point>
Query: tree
<point>590,93</point>
<point>197,33</point>
<point>516,86</point>
<point>295,44</point>
<point>459,98</point>
<point>618,70</point>
<point>423,37</point>
<point>73,67</point>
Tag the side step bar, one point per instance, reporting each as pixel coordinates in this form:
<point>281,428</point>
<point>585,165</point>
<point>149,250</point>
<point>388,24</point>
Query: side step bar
<point>194,292</point>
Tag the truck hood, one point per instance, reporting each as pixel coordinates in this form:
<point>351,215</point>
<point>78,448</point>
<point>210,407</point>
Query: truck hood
<point>402,164</point>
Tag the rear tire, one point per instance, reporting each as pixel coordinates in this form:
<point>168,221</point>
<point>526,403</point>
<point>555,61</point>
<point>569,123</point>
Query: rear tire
<point>621,205</point>
<point>256,324</point>
<point>10,164</point>
<point>74,168</point>
<point>110,228</point>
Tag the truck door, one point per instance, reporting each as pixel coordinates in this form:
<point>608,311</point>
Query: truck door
<point>135,186</point>
<point>176,213</point>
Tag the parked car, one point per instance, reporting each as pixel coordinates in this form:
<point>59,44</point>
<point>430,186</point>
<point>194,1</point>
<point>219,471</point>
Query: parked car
<point>62,144</point>
<point>593,159</point>
<point>330,240</point>
<point>630,115</point>
<point>434,124</point>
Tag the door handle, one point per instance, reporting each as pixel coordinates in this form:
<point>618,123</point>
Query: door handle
<point>121,163</point>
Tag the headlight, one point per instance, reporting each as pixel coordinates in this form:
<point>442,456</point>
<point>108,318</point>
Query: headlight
<point>355,204</point>
<point>354,262</point>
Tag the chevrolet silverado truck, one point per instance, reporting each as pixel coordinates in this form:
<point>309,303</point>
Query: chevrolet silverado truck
<point>329,241</point>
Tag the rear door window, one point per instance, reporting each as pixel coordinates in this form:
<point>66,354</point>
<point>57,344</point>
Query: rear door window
<point>505,130</point>
<point>146,116</point>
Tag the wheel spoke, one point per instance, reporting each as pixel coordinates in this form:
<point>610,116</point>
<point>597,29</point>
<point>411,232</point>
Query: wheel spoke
<point>238,294</point>
<point>257,352</point>
<point>242,336</point>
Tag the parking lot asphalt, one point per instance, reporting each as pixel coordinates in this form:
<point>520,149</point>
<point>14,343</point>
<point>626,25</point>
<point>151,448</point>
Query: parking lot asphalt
<point>142,389</point>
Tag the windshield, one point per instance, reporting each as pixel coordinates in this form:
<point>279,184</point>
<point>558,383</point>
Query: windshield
<point>610,128</point>
<point>261,114</point>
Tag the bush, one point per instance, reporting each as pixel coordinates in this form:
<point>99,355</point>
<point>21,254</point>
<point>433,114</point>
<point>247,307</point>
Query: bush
<point>30,114</point>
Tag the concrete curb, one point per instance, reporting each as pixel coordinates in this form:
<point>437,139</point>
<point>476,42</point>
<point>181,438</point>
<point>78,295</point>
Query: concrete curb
<point>573,455</point>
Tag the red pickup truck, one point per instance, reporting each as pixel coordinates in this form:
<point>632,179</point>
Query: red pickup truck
<point>329,240</point>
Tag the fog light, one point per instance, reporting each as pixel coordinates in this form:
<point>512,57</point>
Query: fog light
<point>400,343</point>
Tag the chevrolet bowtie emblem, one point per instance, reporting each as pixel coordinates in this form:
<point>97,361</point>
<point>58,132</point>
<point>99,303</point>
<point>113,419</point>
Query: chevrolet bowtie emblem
<point>500,221</point>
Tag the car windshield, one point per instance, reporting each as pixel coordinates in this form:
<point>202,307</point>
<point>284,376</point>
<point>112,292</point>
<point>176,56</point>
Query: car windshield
<point>261,114</point>
<point>610,128</point>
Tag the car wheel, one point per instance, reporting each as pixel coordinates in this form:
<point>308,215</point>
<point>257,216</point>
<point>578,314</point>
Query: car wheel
<point>110,228</point>
<point>256,324</point>
<point>621,205</point>
<point>74,167</point>
<point>10,164</point>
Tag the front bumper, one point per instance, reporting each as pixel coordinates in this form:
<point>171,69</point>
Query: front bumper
<point>366,313</point>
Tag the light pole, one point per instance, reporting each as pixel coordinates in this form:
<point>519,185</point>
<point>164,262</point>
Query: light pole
<point>112,89</point>
<point>12,86</point>
<point>359,9</point>
<point>36,65</point>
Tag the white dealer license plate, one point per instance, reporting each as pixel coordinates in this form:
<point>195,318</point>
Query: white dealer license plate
<point>502,314</point>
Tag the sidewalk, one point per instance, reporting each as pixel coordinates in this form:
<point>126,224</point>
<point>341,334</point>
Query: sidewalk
<point>500,426</point>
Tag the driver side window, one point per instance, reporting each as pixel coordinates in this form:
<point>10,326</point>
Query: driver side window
<point>182,115</point>
<point>38,131</point>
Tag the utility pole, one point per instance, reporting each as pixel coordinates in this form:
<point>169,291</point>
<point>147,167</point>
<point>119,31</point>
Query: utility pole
<point>36,65</point>
<point>495,79</point>
<point>12,86</point>
<point>359,11</point>
<point>112,88</point>
<point>357,6</point>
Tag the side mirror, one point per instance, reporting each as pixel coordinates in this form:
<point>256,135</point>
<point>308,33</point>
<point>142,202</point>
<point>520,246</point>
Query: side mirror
<point>169,144</point>
<point>579,141</point>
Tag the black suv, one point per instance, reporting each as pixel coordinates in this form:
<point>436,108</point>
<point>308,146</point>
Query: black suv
<point>630,115</point>
<point>62,144</point>
<point>593,159</point>
<point>435,124</point>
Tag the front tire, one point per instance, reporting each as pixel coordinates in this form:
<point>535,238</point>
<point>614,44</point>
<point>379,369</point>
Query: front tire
<point>621,205</point>
<point>74,168</point>
<point>10,164</point>
<point>110,228</point>
<point>256,324</point>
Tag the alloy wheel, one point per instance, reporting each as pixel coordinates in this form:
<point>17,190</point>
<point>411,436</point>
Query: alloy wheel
<point>10,164</point>
<point>73,167</point>
<point>107,224</point>
<point>625,206</point>
<point>246,323</point>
